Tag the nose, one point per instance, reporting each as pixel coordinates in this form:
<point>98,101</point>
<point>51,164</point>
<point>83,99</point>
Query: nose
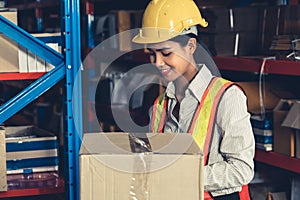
<point>159,61</point>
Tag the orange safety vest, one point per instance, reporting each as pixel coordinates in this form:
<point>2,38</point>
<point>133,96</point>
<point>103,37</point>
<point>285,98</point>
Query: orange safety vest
<point>202,124</point>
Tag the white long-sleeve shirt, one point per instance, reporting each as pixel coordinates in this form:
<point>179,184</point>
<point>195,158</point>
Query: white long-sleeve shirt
<point>230,162</point>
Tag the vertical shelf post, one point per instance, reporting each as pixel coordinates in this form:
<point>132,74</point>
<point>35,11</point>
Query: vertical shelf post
<point>73,133</point>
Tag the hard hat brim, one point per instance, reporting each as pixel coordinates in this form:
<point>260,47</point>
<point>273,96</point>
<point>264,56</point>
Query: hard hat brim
<point>150,35</point>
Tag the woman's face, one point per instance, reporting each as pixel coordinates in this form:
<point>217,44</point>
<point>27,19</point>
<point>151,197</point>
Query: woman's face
<point>173,60</point>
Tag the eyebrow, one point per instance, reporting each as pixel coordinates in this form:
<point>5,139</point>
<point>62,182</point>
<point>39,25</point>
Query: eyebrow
<point>162,49</point>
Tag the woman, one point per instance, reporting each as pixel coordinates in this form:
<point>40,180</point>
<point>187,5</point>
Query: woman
<point>197,100</point>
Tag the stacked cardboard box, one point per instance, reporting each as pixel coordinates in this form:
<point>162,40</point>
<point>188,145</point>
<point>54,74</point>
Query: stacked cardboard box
<point>15,58</point>
<point>283,42</point>
<point>263,132</point>
<point>261,105</point>
<point>30,149</point>
<point>29,62</point>
<point>3,181</point>
<point>284,137</point>
<point>269,96</point>
<point>8,48</point>
<point>292,121</point>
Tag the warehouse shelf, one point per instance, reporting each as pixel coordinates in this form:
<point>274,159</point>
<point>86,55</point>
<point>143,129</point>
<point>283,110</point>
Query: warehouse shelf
<point>282,67</point>
<point>278,160</point>
<point>20,76</point>
<point>66,68</point>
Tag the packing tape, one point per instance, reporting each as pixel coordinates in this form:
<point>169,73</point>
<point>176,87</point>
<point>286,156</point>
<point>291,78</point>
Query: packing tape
<point>139,188</point>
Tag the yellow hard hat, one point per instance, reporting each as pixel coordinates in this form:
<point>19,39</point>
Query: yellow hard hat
<point>165,19</point>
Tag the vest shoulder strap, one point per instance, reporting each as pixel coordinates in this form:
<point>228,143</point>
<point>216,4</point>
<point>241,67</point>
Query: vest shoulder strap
<point>204,118</point>
<point>159,113</point>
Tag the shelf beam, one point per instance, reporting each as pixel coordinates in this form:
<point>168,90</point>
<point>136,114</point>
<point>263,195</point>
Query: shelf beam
<point>278,160</point>
<point>30,93</point>
<point>20,76</point>
<point>282,67</point>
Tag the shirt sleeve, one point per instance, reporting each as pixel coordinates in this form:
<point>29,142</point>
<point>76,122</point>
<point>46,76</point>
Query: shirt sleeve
<point>232,165</point>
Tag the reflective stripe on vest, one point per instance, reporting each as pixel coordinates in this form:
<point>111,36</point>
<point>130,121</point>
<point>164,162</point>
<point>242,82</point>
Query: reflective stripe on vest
<point>159,114</point>
<point>202,124</point>
<point>203,121</point>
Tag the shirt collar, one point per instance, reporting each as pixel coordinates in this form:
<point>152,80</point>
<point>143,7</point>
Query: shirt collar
<point>197,86</point>
<point>200,82</point>
<point>170,90</point>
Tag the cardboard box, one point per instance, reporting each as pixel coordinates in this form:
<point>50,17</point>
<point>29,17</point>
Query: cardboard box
<point>9,61</point>
<point>153,167</point>
<point>3,180</point>
<point>29,62</point>
<point>30,149</point>
<point>292,120</point>
<point>271,93</point>
<point>269,98</point>
<point>284,137</point>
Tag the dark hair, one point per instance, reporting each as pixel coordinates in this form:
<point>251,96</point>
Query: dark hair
<point>202,54</point>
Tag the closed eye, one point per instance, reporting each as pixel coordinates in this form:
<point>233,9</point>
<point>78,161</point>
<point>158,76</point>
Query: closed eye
<point>163,52</point>
<point>166,54</point>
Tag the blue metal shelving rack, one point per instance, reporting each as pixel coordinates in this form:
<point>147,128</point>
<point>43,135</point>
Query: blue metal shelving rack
<point>66,66</point>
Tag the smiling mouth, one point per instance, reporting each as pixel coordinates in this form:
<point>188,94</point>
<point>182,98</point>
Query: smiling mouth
<point>165,71</point>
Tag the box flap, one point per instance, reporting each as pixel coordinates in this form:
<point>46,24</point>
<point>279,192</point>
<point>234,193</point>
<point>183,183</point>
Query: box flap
<point>284,105</point>
<point>126,143</point>
<point>293,117</point>
<point>23,132</point>
<point>105,143</point>
<point>173,143</point>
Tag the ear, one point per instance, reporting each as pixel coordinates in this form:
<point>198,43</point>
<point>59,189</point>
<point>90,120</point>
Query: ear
<point>192,45</point>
